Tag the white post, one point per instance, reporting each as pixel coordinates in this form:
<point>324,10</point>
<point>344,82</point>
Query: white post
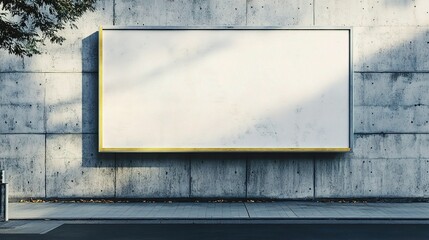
<point>3,197</point>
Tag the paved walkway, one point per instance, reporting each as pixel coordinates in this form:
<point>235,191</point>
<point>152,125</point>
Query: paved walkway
<point>271,210</point>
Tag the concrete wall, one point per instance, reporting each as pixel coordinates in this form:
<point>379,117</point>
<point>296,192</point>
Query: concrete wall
<point>48,111</point>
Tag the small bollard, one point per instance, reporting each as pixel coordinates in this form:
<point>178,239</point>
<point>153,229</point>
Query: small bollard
<point>3,197</point>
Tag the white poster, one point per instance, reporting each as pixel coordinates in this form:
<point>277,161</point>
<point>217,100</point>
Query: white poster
<point>186,90</point>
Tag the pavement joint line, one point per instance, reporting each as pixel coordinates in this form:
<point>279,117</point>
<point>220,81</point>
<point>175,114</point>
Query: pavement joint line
<point>247,210</point>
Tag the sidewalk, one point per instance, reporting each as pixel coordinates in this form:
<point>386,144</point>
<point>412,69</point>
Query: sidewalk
<point>229,211</point>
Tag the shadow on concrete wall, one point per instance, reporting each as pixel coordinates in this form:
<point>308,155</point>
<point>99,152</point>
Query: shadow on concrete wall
<point>90,155</point>
<point>146,160</point>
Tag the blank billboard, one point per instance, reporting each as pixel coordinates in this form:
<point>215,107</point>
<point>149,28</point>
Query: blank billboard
<point>247,89</point>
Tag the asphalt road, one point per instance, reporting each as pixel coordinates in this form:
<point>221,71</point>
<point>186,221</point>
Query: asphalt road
<point>233,231</point>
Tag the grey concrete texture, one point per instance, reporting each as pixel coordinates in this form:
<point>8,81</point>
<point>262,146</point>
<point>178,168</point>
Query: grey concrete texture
<point>180,13</point>
<point>391,49</point>
<point>49,113</point>
<point>372,13</point>
<point>71,103</point>
<point>279,13</point>
<point>383,165</point>
<point>22,156</point>
<point>74,168</point>
<point>48,102</point>
<point>391,102</point>
<point>371,178</point>
<point>391,89</point>
<point>218,176</point>
<point>152,175</point>
<point>281,176</point>
<point>22,102</point>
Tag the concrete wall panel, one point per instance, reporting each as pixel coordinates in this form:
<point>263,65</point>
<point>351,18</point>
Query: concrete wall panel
<point>10,63</point>
<point>391,119</point>
<point>90,21</point>
<point>209,13</point>
<point>218,175</point>
<point>279,13</point>
<point>381,165</point>
<point>372,13</point>
<point>362,178</point>
<point>71,102</point>
<point>284,176</point>
<point>140,13</point>
<point>391,49</point>
<point>22,156</point>
<point>78,53</point>
<point>74,168</point>
<point>152,176</point>
<point>180,13</point>
<point>22,99</point>
<point>391,102</point>
<point>386,146</point>
<point>391,89</point>
<point>57,58</point>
